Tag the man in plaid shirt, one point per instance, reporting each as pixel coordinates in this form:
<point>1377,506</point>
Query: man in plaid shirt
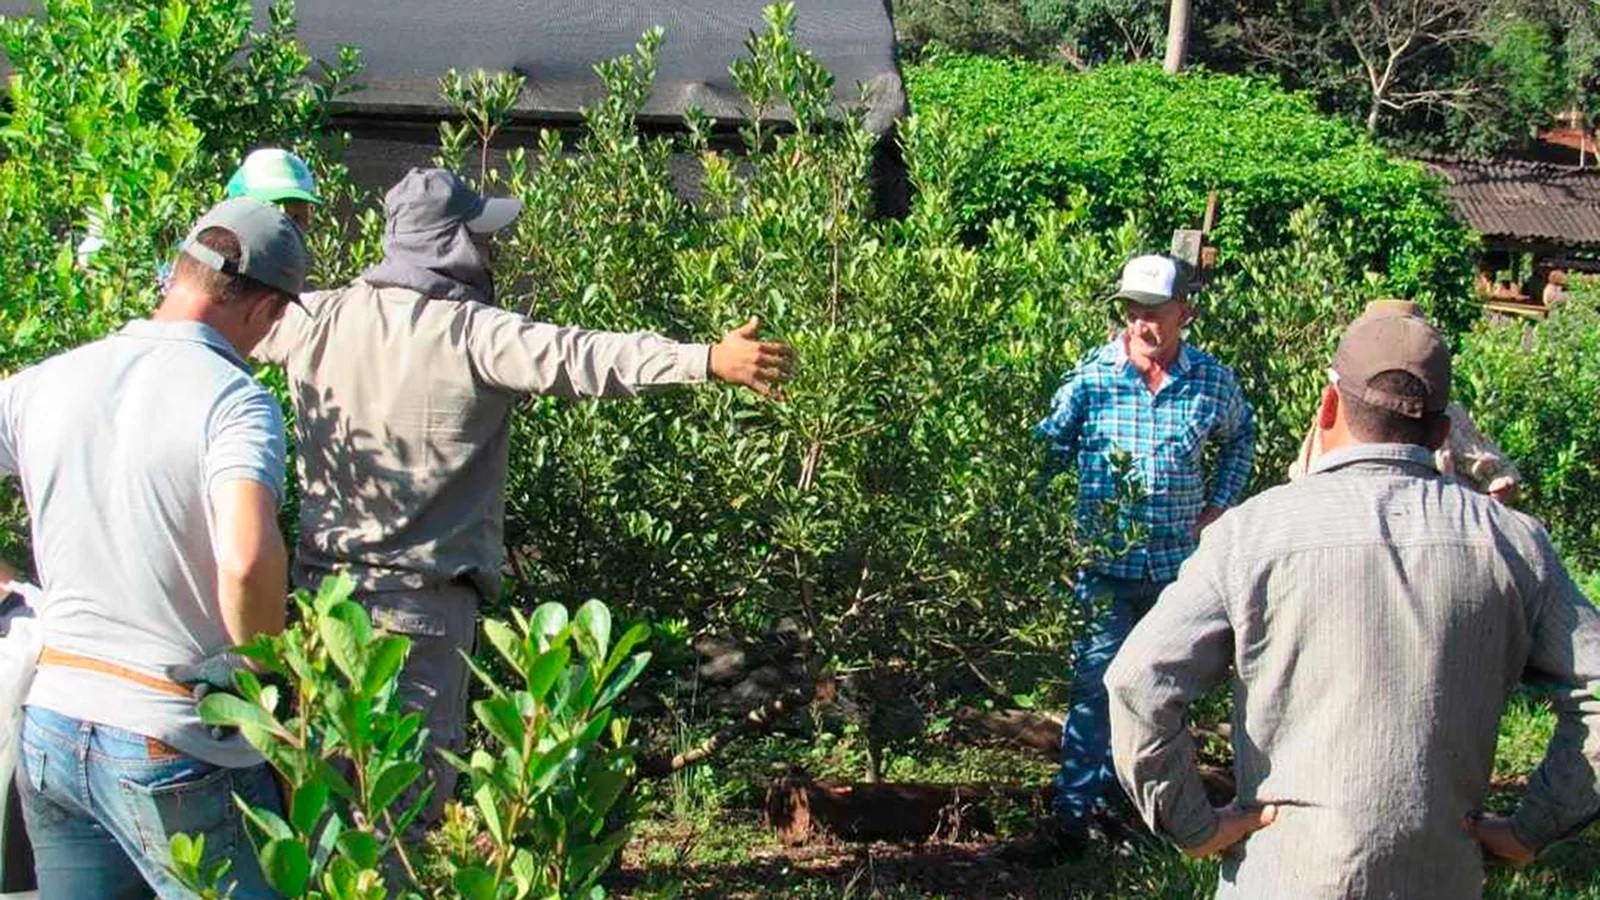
<point>1148,395</point>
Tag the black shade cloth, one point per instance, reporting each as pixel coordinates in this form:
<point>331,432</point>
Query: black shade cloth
<point>408,44</point>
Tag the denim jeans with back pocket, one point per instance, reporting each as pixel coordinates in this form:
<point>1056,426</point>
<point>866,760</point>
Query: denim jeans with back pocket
<point>102,804</point>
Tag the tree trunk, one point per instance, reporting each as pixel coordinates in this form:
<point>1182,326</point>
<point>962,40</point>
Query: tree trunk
<point>1178,19</point>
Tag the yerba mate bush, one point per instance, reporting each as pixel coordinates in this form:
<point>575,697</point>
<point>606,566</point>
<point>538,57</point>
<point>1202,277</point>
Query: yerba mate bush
<point>544,782</point>
<point>1534,387</point>
<point>128,116</point>
<point>889,509</point>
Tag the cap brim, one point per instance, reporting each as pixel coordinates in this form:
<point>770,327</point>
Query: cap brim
<point>279,195</point>
<point>498,212</point>
<point>1144,297</point>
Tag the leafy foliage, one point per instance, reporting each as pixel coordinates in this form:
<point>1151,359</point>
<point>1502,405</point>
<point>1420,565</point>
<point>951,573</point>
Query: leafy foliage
<point>348,754</point>
<point>350,758</point>
<point>1533,387</point>
<point>1138,141</point>
<point>126,117</point>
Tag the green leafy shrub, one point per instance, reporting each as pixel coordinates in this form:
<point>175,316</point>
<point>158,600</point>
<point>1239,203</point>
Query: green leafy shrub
<point>127,116</point>
<point>1533,388</point>
<point>1138,140</point>
<point>350,756</point>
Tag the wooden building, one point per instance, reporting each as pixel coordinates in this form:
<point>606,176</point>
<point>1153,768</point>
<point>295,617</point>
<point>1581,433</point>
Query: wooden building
<point>1538,221</point>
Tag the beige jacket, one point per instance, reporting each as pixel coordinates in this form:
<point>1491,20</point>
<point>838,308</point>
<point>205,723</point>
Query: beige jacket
<point>402,420</point>
<point>1468,454</point>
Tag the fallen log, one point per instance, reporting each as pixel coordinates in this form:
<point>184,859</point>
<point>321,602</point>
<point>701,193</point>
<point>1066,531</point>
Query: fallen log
<point>800,810</point>
<point>1021,728</point>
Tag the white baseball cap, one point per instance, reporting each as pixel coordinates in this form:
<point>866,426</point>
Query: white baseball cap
<point>1152,280</point>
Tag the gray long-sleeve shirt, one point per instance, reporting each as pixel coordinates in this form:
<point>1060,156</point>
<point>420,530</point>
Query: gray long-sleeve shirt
<point>402,417</point>
<point>1376,618</point>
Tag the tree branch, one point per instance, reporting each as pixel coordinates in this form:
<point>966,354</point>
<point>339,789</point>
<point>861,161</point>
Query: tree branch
<point>756,721</point>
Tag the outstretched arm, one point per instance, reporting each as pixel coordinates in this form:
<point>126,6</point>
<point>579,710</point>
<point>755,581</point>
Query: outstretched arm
<point>514,353</point>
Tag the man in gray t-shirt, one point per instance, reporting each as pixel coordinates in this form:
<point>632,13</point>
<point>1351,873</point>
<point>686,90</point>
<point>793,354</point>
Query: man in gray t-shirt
<point>152,465</point>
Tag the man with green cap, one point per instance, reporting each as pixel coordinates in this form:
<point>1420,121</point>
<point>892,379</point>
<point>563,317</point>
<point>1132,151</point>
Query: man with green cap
<point>152,464</point>
<point>277,176</point>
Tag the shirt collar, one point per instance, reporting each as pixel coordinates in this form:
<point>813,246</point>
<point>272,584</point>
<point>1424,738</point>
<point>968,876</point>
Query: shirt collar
<point>192,332</point>
<point>1408,454</point>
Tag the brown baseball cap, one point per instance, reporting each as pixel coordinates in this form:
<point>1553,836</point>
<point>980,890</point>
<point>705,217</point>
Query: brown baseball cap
<point>1391,335</point>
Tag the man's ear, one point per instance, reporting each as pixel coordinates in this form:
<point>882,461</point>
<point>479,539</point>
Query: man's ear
<point>1328,409</point>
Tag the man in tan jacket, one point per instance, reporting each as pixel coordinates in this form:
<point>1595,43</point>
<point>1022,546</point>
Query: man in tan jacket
<point>403,385</point>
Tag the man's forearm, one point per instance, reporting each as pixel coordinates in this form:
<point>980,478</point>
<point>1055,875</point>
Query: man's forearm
<point>1562,793</point>
<point>252,562</point>
<point>253,598</point>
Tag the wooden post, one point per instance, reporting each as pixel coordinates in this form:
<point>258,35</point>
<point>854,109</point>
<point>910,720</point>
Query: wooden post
<point>1178,18</point>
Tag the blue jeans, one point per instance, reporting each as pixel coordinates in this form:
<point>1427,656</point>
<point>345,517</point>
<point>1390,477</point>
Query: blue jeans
<point>1112,606</point>
<point>102,805</point>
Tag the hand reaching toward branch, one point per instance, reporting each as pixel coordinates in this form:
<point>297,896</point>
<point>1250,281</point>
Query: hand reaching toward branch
<point>742,358</point>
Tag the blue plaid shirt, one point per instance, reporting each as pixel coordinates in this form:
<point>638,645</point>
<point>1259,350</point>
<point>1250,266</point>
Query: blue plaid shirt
<point>1104,407</point>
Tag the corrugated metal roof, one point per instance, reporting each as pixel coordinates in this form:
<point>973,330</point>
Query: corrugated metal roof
<point>1525,201</point>
<point>407,44</point>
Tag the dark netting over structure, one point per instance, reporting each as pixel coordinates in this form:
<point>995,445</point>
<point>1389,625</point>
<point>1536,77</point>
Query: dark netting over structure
<point>408,44</point>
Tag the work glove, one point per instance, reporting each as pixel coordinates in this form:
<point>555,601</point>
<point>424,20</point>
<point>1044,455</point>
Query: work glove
<point>214,673</point>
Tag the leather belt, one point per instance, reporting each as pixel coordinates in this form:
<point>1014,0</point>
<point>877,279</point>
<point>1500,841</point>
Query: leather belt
<point>50,656</point>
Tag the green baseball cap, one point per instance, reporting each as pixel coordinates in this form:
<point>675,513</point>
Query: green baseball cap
<point>273,176</point>
<point>272,250</point>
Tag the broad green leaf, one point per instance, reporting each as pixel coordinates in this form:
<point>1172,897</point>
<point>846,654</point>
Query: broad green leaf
<point>327,842</point>
<point>508,643</point>
<point>392,781</point>
<point>310,800</point>
<point>360,848</point>
<point>525,870</point>
<point>548,621</point>
<point>489,809</point>
<point>500,716</point>
<point>388,654</point>
<point>287,866</point>
<point>623,679</point>
<point>630,639</point>
<point>232,712</point>
<point>546,669</point>
<point>475,884</point>
<point>344,648</point>
<point>594,620</point>
<point>267,823</point>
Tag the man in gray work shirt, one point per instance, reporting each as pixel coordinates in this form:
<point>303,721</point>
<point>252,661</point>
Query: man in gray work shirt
<point>403,385</point>
<point>1376,617</point>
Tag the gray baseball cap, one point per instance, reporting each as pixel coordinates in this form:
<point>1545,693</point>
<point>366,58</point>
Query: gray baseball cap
<point>272,250</point>
<point>426,200</point>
